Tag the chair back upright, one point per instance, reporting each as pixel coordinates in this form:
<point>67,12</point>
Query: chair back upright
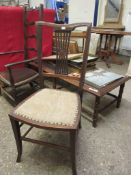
<point>27,24</point>
<point>62,39</point>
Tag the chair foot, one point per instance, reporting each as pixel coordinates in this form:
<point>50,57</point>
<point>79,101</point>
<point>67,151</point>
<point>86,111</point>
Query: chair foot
<point>17,135</point>
<point>94,124</point>
<point>80,125</point>
<point>96,111</point>
<point>18,160</point>
<point>120,95</point>
<point>31,84</point>
<point>54,83</point>
<point>72,144</point>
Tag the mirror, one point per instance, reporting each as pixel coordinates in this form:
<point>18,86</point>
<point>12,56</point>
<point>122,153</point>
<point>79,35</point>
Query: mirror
<point>113,10</point>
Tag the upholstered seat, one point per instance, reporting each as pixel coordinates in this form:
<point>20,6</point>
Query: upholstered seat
<point>55,107</point>
<point>20,75</point>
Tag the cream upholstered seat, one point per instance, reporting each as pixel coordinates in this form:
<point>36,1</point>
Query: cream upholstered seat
<point>51,106</point>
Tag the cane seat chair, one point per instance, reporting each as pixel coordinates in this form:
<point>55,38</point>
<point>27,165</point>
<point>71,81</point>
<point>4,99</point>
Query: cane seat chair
<point>53,109</point>
<point>14,76</point>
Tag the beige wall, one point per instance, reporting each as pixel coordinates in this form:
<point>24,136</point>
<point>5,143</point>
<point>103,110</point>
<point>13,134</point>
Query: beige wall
<point>81,10</point>
<point>126,9</point>
<point>34,3</point>
<point>102,4</point>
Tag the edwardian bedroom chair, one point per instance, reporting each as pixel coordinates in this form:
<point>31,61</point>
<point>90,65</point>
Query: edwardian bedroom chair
<point>54,109</point>
<point>14,76</point>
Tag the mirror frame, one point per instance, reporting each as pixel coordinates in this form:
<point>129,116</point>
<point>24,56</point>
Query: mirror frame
<point>113,20</point>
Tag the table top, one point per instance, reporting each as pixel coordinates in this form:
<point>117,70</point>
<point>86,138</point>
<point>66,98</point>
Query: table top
<point>110,31</point>
<point>82,34</point>
<point>88,88</point>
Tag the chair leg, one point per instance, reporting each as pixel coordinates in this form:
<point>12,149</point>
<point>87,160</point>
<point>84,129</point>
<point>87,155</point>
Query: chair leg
<point>31,84</point>
<point>72,145</point>
<point>14,93</point>
<point>17,134</point>
<point>96,111</point>
<point>120,95</point>
<point>80,125</point>
<point>54,83</point>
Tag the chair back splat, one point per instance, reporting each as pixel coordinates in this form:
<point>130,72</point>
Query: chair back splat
<point>62,34</point>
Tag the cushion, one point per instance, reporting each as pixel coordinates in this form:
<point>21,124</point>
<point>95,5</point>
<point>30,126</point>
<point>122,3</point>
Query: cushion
<point>51,106</point>
<point>20,76</point>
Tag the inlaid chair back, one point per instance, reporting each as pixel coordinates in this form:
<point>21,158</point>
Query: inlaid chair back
<point>62,35</point>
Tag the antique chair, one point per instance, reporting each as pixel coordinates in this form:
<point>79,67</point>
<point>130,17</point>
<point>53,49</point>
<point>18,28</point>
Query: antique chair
<point>14,76</point>
<point>54,109</point>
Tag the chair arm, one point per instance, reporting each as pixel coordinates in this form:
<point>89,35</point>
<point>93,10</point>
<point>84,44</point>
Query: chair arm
<point>11,52</point>
<point>20,62</point>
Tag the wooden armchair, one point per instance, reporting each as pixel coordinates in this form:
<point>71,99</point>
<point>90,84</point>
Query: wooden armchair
<point>15,76</point>
<point>59,110</point>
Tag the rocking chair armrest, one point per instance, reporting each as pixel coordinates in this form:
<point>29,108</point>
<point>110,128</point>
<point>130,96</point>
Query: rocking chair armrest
<point>20,62</point>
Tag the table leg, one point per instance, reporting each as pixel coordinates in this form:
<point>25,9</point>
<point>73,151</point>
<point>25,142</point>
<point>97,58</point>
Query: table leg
<point>83,44</point>
<point>96,111</point>
<point>115,58</point>
<point>115,45</point>
<point>120,95</point>
<point>119,41</point>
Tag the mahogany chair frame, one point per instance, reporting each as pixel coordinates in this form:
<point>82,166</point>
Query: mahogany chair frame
<point>63,33</point>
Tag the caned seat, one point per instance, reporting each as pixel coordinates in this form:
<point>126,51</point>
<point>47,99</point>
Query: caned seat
<point>54,109</point>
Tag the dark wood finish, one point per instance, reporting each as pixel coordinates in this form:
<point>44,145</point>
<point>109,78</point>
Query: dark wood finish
<point>73,150</point>
<point>120,95</point>
<point>96,110</point>
<point>63,33</point>
<point>14,77</point>
<point>17,134</point>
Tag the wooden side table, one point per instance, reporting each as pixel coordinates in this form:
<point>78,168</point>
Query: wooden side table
<point>106,51</point>
<point>98,93</point>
